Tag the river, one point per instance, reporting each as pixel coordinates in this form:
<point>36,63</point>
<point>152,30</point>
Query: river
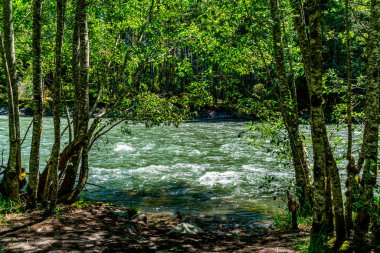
<point>198,167</point>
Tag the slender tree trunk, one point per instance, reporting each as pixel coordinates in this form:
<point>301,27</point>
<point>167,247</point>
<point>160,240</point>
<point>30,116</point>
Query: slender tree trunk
<point>82,88</point>
<point>57,82</point>
<point>311,48</point>
<point>34,162</point>
<point>324,164</point>
<point>84,92</point>
<point>352,172</point>
<point>336,195</point>
<point>290,116</point>
<point>369,150</point>
<point>70,176</point>
<point>11,176</point>
<point>373,65</point>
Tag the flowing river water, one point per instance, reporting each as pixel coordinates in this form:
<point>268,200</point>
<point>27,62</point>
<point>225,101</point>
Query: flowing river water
<point>198,167</point>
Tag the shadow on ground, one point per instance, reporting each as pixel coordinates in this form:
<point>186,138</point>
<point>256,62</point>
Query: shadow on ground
<point>100,228</point>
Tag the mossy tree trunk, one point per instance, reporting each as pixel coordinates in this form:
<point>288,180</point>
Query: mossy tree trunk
<point>290,115</point>
<point>352,172</point>
<point>71,171</point>
<point>34,161</point>
<point>83,92</point>
<point>369,150</point>
<point>10,184</point>
<point>57,82</point>
<point>307,23</point>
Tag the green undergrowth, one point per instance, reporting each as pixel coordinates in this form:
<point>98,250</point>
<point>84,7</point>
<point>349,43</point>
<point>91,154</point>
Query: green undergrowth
<point>9,206</point>
<point>283,222</point>
<point>80,204</point>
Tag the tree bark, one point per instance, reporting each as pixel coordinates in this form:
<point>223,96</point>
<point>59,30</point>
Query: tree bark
<point>369,150</point>
<point>54,157</point>
<point>290,116</point>
<point>70,176</point>
<point>84,107</point>
<point>34,161</point>
<point>11,177</point>
<point>352,172</point>
<point>310,42</point>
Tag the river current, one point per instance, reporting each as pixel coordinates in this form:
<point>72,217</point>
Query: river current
<point>198,167</point>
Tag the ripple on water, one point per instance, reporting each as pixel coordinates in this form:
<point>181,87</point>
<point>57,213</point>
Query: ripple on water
<point>193,167</point>
<point>195,152</point>
<point>213,178</point>
<point>123,147</point>
<point>235,150</point>
<point>150,170</point>
<point>106,175</point>
<point>149,146</point>
<point>252,168</point>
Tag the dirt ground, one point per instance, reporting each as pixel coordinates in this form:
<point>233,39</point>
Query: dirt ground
<point>104,228</point>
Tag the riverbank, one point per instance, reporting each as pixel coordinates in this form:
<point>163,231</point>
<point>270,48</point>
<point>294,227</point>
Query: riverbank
<point>104,228</point>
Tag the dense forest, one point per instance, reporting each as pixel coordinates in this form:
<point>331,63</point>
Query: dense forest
<point>97,64</point>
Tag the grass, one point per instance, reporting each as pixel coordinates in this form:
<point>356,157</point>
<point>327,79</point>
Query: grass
<point>9,206</point>
<point>283,222</point>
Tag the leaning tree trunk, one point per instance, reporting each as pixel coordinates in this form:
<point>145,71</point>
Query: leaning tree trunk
<point>369,150</point>
<point>290,116</point>
<point>10,184</point>
<point>34,162</point>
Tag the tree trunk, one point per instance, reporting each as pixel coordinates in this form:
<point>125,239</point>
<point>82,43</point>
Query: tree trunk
<point>54,157</point>
<point>70,176</point>
<point>352,172</point>
<point>10,182</point>
<point>336,195</point>
<point>81,119</point>
<point>34,161</point>
<point>311,48</point>
<point>290,116</point>
<point>84,93</point>
<point>369,150</point>
<point>324,163</point>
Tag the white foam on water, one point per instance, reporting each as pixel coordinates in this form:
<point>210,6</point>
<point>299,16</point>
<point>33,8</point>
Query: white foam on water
<point>236,150</point>
<point>252,168</point>
<point>280,174</point>
<point>227,148</point>
<point>195,152</point>
<point>149,146</point>
<point>104,174</point>
<point>223,178</point>
<point>123,147</point>
<point>192,167</point>
<point>270,159</point>
<point>151,170</point>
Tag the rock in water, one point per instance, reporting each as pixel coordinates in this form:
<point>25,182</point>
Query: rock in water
<point>186,228</point>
